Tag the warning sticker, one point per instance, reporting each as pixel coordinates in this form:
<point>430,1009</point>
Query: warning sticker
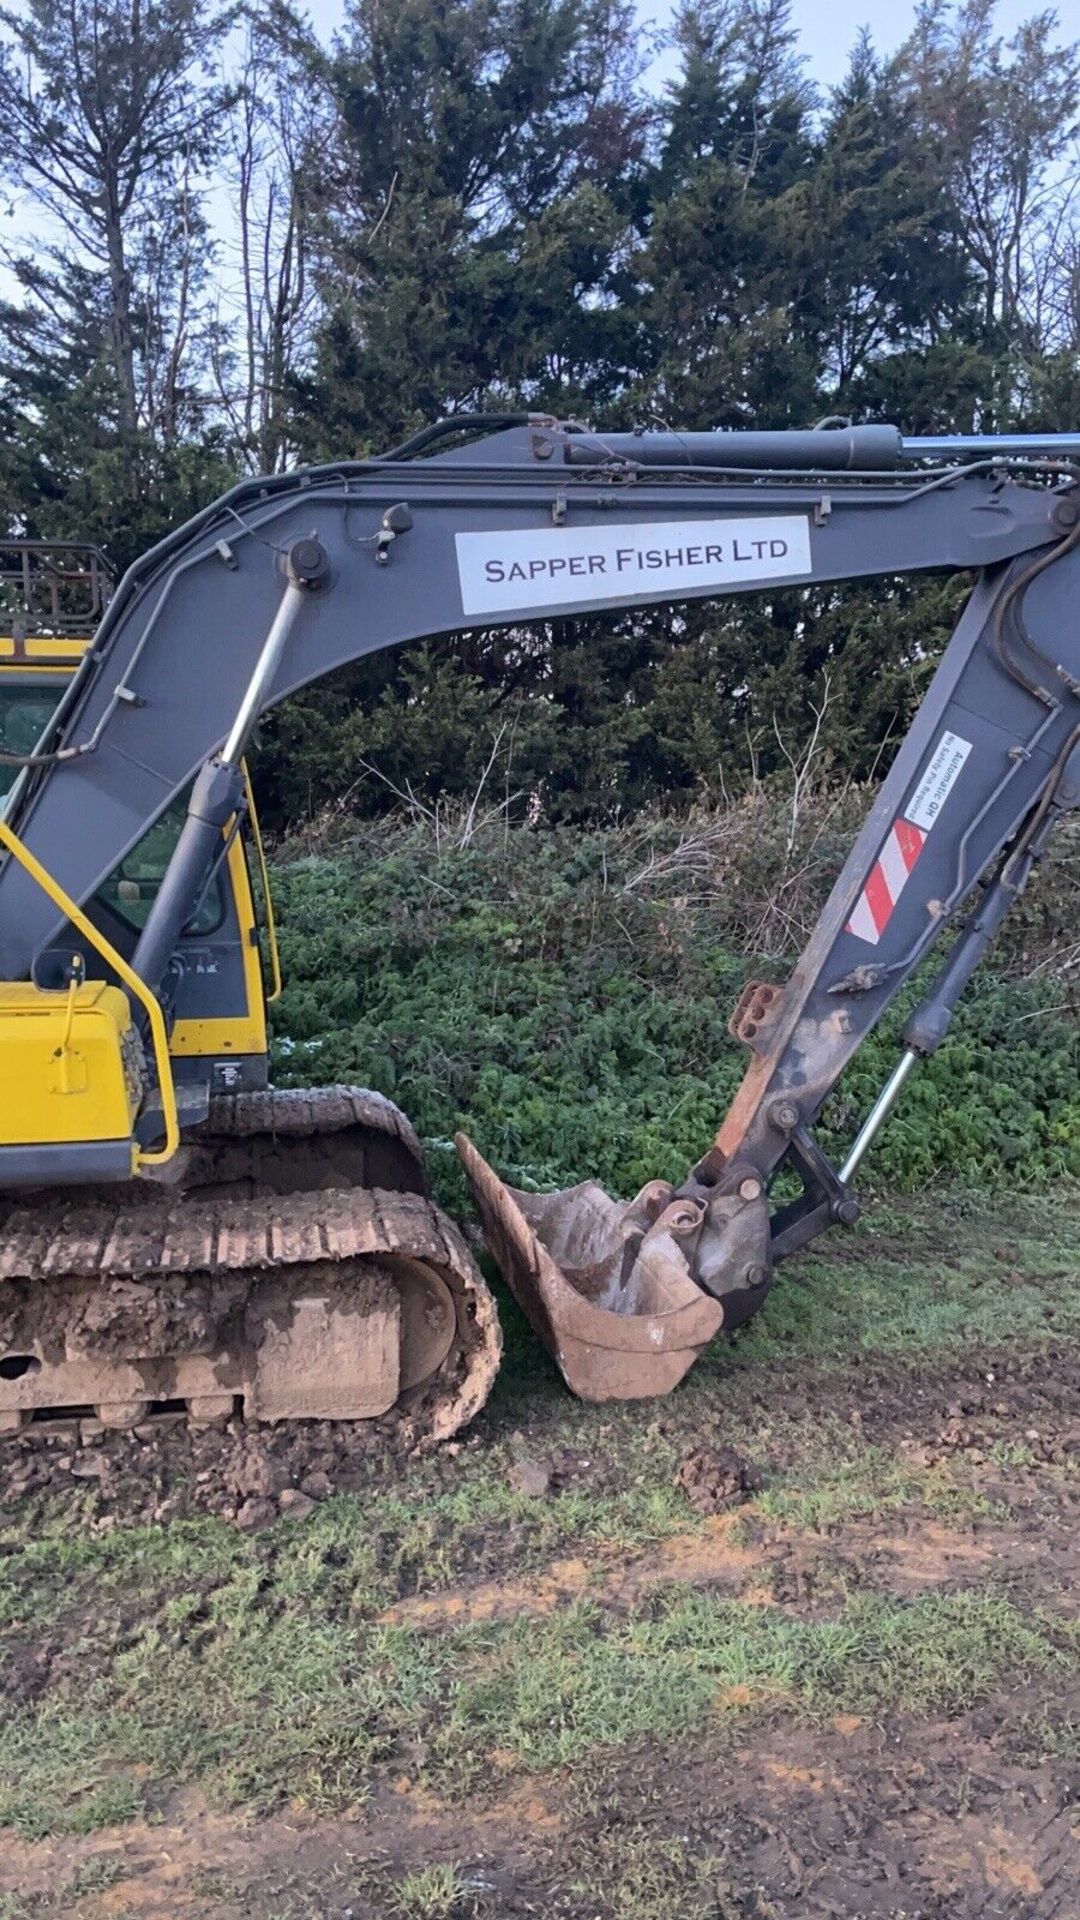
<point>937,782</point>
<point>896,862</point>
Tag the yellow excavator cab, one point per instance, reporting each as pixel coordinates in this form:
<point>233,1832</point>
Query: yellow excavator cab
<point>52,597</point>
<point>71,1065</point>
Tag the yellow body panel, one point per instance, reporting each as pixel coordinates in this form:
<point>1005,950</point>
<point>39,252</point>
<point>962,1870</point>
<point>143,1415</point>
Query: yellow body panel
<point>245,1034</point>
<point>192,1039</point>
<point>40,670</point>
<point>43,647</point>
<point>69,1065</point>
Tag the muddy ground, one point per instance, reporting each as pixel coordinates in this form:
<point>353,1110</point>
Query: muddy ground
<point>800,1641</point>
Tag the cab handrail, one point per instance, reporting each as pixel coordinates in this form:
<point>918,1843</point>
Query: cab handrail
<point>269,922</point>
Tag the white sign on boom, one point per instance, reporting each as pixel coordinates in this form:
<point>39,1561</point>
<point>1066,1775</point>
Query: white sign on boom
<point>530,572</point>
<point>945,768</point>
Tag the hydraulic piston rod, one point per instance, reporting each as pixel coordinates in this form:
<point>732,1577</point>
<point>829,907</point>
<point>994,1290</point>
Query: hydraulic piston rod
<point>877,1115</point>
<point>218,788</point>
<point>948,447</point>
<point>869,448</point>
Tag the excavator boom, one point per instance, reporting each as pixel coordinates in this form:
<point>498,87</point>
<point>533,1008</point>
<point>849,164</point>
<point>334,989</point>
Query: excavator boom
<point>522,520</point>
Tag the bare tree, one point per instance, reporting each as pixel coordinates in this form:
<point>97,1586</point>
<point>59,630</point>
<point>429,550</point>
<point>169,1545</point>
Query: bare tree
<point>1052,294</point>
<point>1001,117</point>
<point>106,113</point>
<point>266,308</point>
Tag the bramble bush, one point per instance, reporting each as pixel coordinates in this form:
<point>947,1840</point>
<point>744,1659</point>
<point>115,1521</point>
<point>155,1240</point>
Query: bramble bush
<point>564,995</point>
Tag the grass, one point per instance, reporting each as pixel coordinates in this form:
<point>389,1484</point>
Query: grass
<point>894,1287</point>
<point>553,1693</point>
<point>431,1893</point>
<point>96,1876</point>
<point>279,1703</point>
<point>642,1875</point>
<point>839,1480</point>
<point>355,1556</point>
<point>260,1667</point>
<point>1043,1738</point>
<point>38,1578</point>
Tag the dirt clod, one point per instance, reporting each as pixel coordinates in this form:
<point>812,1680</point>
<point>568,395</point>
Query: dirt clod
<point>90,1466</point>
<point>532,1477</point>
<point>252,1474</point>
<point>717,1478</point>
<point>317,1485</point>
<point>254,1514</point>
<point>295,1504</point>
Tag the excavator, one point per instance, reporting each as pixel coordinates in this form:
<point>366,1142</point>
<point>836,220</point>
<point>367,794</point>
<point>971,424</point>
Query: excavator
<point>180,1240</point>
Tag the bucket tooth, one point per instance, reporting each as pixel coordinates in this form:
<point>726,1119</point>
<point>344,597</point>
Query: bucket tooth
<point>621,1314</point>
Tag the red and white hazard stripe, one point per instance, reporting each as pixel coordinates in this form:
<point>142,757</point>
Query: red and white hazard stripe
<point>886,881</point>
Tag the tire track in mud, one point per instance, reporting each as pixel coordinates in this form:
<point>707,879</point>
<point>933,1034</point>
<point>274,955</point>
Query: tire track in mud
<point>905,1820</point>
<point>774,1569</point>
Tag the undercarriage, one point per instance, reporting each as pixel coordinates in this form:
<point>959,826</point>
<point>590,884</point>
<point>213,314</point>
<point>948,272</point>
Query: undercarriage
<point>294,1267</point>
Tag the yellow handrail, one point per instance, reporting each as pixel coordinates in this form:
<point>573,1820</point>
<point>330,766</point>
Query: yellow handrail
<point>268,898</point>
<point>135,986</point>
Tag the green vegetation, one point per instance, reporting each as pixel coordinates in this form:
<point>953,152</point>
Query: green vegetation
<point>432,1893</point>
<point>549,1693</point>
<point>644,1876</point>
<point>267,1703</point>
<point>565,997</point>
<point>1050,1738</point>
<point>96,1876</point>
<point>840,1481</point>
<point>274,1666</point>
<point>899,1304</point>
<point>316,1666</point>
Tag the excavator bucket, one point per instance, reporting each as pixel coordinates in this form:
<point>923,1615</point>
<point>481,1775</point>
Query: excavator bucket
<point>606,1286</point>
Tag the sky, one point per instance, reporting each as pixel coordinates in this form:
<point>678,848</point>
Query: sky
<point>827,28</point>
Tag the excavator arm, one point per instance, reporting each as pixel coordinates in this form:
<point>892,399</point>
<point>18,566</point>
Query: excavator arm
<point>286,579</point>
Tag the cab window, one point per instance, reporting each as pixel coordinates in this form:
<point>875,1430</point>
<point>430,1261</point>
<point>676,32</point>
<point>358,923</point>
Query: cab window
<point>130,890</point>
<point>24,714</point>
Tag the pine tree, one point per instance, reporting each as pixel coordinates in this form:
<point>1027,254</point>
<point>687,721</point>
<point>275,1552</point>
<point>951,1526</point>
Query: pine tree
<point>470,224</point>
<point>721,273</point>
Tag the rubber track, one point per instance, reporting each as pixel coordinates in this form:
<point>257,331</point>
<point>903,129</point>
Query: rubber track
<point>148,1230</point>
<point>196,1234</point>
<point>302,1112</point>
